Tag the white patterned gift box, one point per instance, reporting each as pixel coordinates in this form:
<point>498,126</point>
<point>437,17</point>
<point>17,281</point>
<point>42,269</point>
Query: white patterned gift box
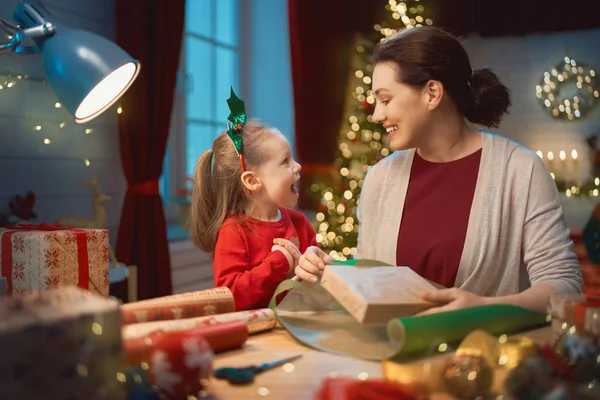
<point>40,257</point>
<point>63,343</point>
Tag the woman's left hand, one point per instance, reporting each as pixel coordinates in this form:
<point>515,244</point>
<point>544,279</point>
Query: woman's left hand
<point>452,299</point>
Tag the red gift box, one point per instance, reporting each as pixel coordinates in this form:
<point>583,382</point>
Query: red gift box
<point>41,257</point>
<point>353,389</point>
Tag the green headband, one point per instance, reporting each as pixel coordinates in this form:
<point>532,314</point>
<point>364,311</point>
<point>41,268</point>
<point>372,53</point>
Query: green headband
<point>237,117</point>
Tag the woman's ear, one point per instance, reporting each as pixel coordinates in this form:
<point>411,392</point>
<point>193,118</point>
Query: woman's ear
<point>433,92</point>
<point>251,181</point>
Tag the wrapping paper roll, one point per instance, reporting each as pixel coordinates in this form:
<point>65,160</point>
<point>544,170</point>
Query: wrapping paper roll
<point>179,306</point>
<point>180,364</point>
<point>221,337</point>
<point>311,315</point>
<point>256,320</point>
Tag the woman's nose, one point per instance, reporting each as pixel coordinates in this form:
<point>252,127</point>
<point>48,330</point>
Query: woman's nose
<point>378,115</point>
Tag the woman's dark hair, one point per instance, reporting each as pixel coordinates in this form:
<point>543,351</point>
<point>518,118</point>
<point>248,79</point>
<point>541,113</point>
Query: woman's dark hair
<point>425,53</point>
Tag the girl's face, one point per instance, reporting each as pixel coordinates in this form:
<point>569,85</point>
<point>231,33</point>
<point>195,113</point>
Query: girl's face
<point>278,173</point>
<point>402,109</point>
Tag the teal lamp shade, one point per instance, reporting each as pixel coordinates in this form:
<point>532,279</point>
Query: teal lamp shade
<point>87,72</point>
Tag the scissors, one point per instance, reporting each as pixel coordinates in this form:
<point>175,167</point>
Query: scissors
<point>245,375</point>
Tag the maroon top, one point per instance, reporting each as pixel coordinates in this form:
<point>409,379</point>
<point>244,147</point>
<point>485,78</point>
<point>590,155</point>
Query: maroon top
<point>435,217</point>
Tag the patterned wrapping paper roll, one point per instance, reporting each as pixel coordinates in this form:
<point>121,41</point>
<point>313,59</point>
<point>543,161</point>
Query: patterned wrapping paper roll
<point>60,344</point>
<point>180,364</point>
<point>256,320</point>
<point>221,337</point>
<point>179,306</point>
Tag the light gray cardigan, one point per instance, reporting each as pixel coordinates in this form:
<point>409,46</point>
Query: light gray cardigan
<point>516,235</point>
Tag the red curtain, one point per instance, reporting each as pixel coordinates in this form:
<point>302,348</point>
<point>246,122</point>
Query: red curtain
<point>321,40</point>
<point>151,31</point>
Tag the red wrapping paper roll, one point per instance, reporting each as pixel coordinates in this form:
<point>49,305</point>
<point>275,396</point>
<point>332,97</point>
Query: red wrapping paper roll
<point>220,337</point>
<point>180,364</point>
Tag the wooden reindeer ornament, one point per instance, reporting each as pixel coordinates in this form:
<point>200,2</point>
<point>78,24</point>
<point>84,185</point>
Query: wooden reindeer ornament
<point>118,271</point>
<point>99,216</point>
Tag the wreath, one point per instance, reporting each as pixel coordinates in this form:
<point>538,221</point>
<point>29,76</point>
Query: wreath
<point>572,105</point>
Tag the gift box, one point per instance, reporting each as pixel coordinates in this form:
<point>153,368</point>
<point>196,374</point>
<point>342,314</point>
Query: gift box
<point>374,295</point>
<point>62,343</point>
<point>580,310</point>
<point>40,257</point>
<point>355,389</point>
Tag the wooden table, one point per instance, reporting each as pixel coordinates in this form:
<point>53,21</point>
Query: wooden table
<point>304,378</point>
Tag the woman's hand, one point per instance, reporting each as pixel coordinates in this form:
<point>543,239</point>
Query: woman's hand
<point>312,263</point>
<point>451,299</point>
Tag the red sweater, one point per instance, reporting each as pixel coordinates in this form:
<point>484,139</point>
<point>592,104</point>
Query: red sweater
<point>435,217</point>
<point>243,260</point>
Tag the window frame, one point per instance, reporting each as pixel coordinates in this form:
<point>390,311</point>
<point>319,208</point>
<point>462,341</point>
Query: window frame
<point>175,165</point>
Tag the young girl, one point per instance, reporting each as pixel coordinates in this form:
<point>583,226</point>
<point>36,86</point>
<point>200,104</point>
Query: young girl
<point>244,188</point>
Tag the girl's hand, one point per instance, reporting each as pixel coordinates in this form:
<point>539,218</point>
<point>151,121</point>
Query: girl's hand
<point>451,299</point>
<point>290,247</point>
<point>287,255</point>
<point>312,263</point>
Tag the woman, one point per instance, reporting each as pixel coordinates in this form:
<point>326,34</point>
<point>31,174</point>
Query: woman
<point>465,208</point>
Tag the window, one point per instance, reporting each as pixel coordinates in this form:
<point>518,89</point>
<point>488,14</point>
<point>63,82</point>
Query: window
<point>209,67</point>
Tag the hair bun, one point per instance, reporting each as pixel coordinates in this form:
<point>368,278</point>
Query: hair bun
<point>490,98</point>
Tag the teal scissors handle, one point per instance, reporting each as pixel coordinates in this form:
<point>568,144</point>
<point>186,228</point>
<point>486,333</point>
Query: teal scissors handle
<point>245,375</point>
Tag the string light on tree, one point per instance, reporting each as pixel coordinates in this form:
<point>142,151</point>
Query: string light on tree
<point>573,106</point>
<point>361,141</point>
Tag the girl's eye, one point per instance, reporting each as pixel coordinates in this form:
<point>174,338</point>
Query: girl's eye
<point>385,102</point>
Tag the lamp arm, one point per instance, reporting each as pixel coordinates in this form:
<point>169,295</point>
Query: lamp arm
<point>14,44</point>
<point>8,26</point>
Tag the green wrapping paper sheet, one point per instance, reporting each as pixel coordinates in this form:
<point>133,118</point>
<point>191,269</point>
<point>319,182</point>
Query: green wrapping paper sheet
<point>314,318</point>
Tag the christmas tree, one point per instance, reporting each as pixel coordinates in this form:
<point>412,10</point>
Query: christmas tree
<point>361,141</point>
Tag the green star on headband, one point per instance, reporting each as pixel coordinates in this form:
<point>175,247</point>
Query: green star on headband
<point>237,117</point>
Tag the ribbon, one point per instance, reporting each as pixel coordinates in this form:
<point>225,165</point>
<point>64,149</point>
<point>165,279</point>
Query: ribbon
<point>39,227</point>
<point>146,188</point>
<point>82,253</point>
